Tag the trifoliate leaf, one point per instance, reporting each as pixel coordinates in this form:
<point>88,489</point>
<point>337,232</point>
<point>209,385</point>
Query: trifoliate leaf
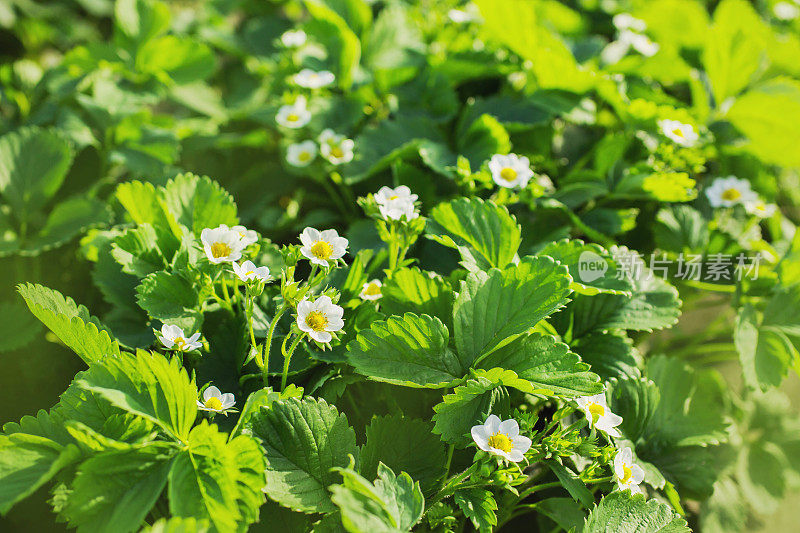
<point>466,406</point>
<point>479,506</point>
<point>26,463</point>
<point>409,350</point>
<point>33,165</point>
<point>609,354</point>
<point>483,138</point>
<point>547,364</point>
<point>494,307</point>
<point>170,297</point>
<point>303,440</point>
<point>404,444</point>
<point>218,480</point>
<point>680,228</point>
<point>592,268</point>
<point>485,234</point>
<point>71,323</point>
<point>415,291</point>
<point>623,512</point>
<point>391,504</point>
<point>114,491</point>
<point>144,250</point>
<point>199,203</point>
<point>145,204</point>
<point>148,385</point>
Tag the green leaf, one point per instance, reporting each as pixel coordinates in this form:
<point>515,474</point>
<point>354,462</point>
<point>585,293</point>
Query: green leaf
<point>171,298</point>
<point>681,228</point>
<point>355,13</point>
<point>580,258</point>
<point>623,512</point>
<point>141,20</point>
<point>572,483</point>
<point>71,323</point>
<point>303,441</point>
<point>609,354</point>
<point>33,165</point>
<point>484,138</point>
<point>18,328</point>
<point>145,204</point>
<point>393,503</point>
<point>178,525</point>
<point>495,307</point>
<point>395,49</point>
<point>26,463</point>
<point>466,406</point>
<point>148,385</point>
<point>143,250</point>
<point>547,364</point>
<point>485,234</point>
<point>114,491</point>
<point>479,506</point>
<point>404,444</point>
<point>342,45</point>
<point>199,202</point>
<point>412,290</point>
<point>68,219</point>
<point>183,59</point>
<point>218,480</point>
<point>410,350</point>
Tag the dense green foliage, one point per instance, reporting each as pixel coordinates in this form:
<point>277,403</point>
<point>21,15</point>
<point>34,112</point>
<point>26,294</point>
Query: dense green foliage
<point>561,288</point>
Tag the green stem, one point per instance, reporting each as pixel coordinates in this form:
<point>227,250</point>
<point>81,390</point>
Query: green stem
<point>268,343</point>
<point>287,358</point>
<point>225,292</point>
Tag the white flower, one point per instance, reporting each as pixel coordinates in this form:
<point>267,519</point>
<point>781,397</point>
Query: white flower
<point>336,148</point>
<point>627,474</point>
<point>293,38</point>
<point>786,11</point>
<point>173,338</point>
<point>760,208</point>
<point>626,21</point>
<point>598,414</point>
<point>311,79</point>
<point>222,244</point>
<point>371,290</point>
<point>319,318</point>
<point>501,438</point>
<point>321,247</point>
<point>678,132</point>
<point>301,154</point>
<point>248,271</point>
<point>295,115</point>
<point>396,203</point>
<point>641,43</point>
<point>729,191</point>
<point>510,170</point>
<point>247,236</point>
<point>215,401</point>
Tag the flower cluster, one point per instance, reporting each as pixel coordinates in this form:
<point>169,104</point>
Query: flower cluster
<point>732,191</point>
<point>397,203</point>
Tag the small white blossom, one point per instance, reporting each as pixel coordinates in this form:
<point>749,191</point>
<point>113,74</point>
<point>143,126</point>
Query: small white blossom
<point>501,438</point>
<point>786,11</point>
<point>301,154</point>
<point>394,204</point>
<point>760,208</point>
<point>322,247</point>
<point>311,79</point>
<point>627,474</point>
<point>371,290</point>
<point>640,42</point>
<point>247,236</point>
<point>730,191</point>
<point>626,21</point>
<point>319,318</point>
<point>293,38</point>
<point>215,401</point>
<point>222,244</point>
<point>173,338</point>
<point>678,132</point>
<point>598,414</point>
<point>294,116</point>
<point>510,170</point>
<point>248,271</point>
<point>337,149</point>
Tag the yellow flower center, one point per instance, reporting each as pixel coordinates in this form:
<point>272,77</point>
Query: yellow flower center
<point>508,174</point>
<point>220,249</point>
<point>180,343</point>
<point>337,152</point>
<point>500,441</point>
<point>292,117</point>
<point>394,197</point>
<point>214,403</point>
<point>372,289</point>
<point>304,156</point>
<point>626,473</point>
<point>322,250</point>
<point>596,411</point>
<point>316,320</point>
<point>678,133</point>
<point>249,273</point>
<point>731,194</point>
